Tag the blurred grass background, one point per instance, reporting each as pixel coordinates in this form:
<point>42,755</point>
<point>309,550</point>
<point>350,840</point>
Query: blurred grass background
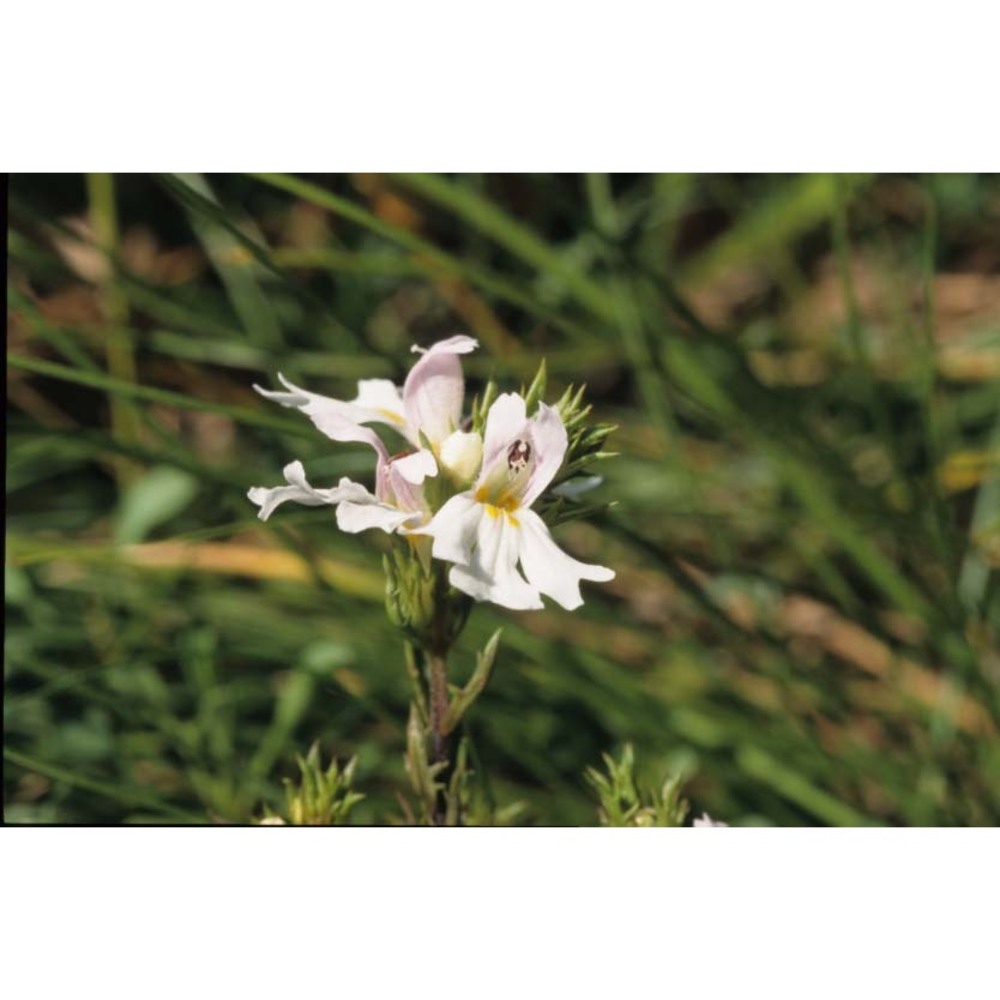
<point>805,371</point>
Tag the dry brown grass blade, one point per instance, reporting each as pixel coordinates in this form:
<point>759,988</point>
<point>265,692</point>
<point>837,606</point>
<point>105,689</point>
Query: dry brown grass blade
<point>256,562</point>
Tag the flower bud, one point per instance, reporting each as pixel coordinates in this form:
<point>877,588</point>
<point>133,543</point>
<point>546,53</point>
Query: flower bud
<point>461,453</point>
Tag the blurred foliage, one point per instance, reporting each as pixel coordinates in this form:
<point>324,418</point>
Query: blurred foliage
<point>804,373</point>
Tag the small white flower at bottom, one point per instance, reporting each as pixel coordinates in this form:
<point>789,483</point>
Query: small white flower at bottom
<point>489,530</point>
<point>705,820</point>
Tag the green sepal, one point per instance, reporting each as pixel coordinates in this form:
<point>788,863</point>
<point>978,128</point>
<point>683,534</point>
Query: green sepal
<point>534,393</point>
<point>563,513</point>
<point>393,605</point>
<point>481,407</point>
<point>416,679</point>
<point>425,441</point>
<point>578,465</point>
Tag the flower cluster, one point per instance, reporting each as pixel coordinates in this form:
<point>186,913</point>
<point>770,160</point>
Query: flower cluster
<point>470,493</point>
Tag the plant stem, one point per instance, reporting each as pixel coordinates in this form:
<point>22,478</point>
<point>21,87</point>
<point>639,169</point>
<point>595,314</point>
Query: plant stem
<point>437,677</point>
<point>437,670</point>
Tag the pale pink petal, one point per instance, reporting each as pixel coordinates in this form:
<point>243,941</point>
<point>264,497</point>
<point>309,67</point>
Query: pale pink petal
<point>417,467</point>
<point>298,491</point>
<point>434,389</point>
<point>359,510</point>
<point>458,344</point>
<point>393,489</point>
<point>549,443</point>
<point>454,528</point>
<point>548,568</point>
<point>506,423</point>
<point>355,432</point>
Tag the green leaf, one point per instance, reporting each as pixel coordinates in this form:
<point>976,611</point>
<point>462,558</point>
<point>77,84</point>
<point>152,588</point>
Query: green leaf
<point>161,494</point>
<point>479,679</point>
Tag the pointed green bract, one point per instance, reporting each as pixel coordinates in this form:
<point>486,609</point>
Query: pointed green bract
<point>321,796</point>
<point>463,700</point>
<point>623,802</point>
<point>534,394</point>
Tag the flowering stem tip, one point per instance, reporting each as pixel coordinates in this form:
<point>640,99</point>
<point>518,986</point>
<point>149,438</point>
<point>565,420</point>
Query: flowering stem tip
<point>464,503</point>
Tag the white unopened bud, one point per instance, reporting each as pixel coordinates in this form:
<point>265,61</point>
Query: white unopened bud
<point>461,453</point>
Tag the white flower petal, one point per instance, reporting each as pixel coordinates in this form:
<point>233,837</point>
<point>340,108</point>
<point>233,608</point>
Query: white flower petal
<point>454,528</point>
<point>359,510</point>
<point>417,467</point>
<point>509,591</point>
<point>461,454</point>
<point>505,423</point>
<point>548,568</point>
<point>549,440</point>
<point>492,574</point>
<point>298,490</point>
<point>337,419</point>
<point>354,517</point>
<point>270,498</point>
<point>382,399</point>
<point>354,492</point>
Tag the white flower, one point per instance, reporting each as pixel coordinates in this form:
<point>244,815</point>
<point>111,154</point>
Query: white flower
<point>398,503</point>
<point>488,530</point>
<point>429,404</point>
<point>430,401</point>
<point>705,820</point>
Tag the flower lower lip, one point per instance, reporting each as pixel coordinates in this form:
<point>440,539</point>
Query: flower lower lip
<point>495,511</point>
<point>504,501</point>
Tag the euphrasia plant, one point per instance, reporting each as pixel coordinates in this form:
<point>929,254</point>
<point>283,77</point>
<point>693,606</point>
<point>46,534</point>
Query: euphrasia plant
<point>623,802</point>
<point>467,503</point>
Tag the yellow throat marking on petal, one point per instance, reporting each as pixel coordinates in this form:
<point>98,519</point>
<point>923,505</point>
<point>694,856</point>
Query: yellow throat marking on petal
<point>504,504</point>
<point>493,511</point>
<point>506,501</point>
<point>389,415</point>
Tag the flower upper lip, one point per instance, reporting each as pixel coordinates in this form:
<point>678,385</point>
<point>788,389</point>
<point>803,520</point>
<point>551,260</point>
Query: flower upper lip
<point>429,404</point>
<point>486,549</point>
<point>430,401</point>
